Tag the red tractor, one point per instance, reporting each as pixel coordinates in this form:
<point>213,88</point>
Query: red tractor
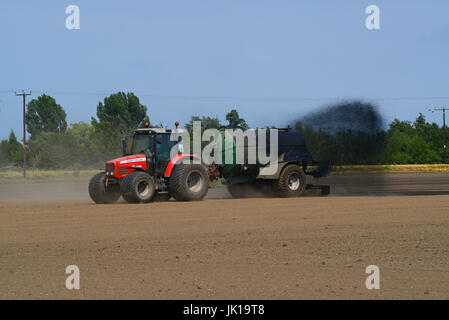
<point>148,172</point>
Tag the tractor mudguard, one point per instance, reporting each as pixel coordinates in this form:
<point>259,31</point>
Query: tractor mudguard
<point>179,157</point>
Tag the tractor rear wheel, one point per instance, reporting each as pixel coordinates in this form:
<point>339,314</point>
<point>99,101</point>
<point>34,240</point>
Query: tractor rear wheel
<point>188,182</point>
<point>138,187</point>
<point>291,183</point>
<point>100,193</point>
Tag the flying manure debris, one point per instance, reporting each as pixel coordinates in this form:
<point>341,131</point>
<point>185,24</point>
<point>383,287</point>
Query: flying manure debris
<point>348,133</point>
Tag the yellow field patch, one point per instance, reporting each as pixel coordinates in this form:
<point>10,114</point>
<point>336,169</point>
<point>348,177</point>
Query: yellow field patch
<point>393,168</point>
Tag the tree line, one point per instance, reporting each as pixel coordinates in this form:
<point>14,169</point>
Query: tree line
<point>53,144</point>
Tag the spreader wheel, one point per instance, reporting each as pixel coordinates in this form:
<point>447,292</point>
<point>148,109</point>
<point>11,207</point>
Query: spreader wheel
<point>238,190</point>
<point>291,183</point>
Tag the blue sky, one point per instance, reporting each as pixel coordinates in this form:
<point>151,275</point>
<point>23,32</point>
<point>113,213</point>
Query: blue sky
<point>272,60</point>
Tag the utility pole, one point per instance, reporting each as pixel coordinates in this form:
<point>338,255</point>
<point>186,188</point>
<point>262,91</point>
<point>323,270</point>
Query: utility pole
<point>24,94</point>
<point>444,131</point>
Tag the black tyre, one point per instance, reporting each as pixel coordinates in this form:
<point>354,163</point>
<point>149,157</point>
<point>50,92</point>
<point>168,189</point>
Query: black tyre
<point>188,182</point>
<point>138,187</point>
<point>254,189</point>
<point>325,190</point>
<point>162,197</point>
<point>291,183</point>
<point>239,190</point>
<point>100,193</point>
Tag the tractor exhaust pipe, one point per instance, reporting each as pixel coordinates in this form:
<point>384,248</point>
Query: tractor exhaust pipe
<point>124,146</point>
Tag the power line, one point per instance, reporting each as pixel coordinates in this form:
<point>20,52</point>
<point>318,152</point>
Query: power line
<point>241,98</point>
<point>24,94</point>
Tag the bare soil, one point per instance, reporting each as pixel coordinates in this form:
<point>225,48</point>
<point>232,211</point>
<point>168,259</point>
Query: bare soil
<point>269,248</point>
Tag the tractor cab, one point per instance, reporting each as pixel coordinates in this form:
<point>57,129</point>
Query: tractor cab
<point>155,144</point>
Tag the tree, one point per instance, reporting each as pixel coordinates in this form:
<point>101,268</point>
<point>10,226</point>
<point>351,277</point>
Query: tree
<point>10,150</point>
<point>235,122</point>
<point>121,111</point>
<point>118,116</point>
<point>88,150</point>
<point>45,115</point>
<point>77,147</point>
<point>401,126</point>
<point>417,142</point>
<point>51,150</point>
<point>206,123</point>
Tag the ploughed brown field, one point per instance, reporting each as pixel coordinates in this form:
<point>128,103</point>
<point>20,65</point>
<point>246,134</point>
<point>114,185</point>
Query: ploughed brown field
<point>259,248</point>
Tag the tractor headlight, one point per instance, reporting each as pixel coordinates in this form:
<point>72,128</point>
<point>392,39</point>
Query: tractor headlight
<point>109,169</point>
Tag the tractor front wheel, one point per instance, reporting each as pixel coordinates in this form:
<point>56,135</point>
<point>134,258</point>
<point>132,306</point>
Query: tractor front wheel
<point>100,193</point>
<point>188,182</point>
<point>138,187</point>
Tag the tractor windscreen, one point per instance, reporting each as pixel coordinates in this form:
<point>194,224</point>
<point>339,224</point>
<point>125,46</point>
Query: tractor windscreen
<point>142,143</point>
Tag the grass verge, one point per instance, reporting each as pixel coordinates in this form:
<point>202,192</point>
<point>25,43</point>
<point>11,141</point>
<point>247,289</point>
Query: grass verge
<point>7,175</point>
